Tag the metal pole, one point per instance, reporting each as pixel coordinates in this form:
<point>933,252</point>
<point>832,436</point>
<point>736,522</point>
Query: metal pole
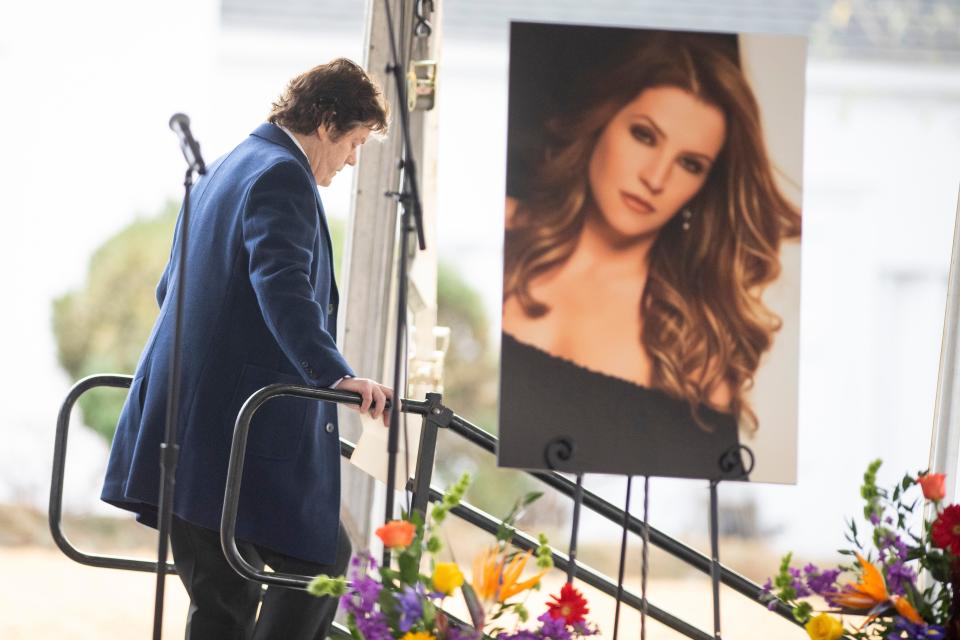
<point>645,568</point>
<point>169,449</point>
<point>715,557</point>
<point>623,559</point>
<point>945,445</point>
<point>577,502</point>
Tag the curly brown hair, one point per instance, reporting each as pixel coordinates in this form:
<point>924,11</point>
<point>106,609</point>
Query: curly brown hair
<point>705,325</point>
<point>339,95</point>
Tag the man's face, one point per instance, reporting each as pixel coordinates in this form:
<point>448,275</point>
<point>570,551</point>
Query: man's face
<point>332,154</point>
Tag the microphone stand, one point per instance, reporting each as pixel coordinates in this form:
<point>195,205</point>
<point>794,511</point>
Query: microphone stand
<point>409,198</point>
<point>169,449</point>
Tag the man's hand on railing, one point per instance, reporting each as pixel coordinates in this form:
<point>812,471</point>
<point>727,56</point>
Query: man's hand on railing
<point>374,397</point>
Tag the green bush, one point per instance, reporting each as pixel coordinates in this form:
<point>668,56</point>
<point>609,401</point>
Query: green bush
<point>102,326</point>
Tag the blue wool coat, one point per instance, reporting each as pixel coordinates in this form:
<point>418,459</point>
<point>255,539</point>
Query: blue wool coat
<point>260,308</point>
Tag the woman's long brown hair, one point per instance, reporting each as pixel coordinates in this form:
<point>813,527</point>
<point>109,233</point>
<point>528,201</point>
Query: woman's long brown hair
<point>705,326</point>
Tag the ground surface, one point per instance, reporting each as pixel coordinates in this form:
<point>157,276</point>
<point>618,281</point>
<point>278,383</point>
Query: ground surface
<point>44,595</point>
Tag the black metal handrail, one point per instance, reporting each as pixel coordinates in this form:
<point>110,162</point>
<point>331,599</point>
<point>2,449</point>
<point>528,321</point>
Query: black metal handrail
<point>435,416</point>
<point>55,511</point>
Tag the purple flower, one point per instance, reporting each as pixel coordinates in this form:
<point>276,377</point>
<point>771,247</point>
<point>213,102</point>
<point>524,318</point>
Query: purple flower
<point>553,629</point>
<point>367,590</point>
<point>820,582</point>
<point>797,583</point>
<point>374,627</point>
<point>898,575</point>
<point>360,563</point>
<point>411,608</point>
<point>920,631</point>
<point>768,586</point>
<point>890,544</point>
<point>462,633</point>
<point>519,635</point>
<point>874,519</point>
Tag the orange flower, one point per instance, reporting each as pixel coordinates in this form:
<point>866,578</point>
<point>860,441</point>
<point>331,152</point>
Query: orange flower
<point>397,534</point>
<point>871,592</point>
<point>867,593</point>
<point>933,485</point>
<point>906,610</point>
<point>496,579</point>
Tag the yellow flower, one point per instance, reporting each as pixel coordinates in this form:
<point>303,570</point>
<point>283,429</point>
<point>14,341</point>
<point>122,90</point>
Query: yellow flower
<point>824,627</point>
<point>447,577</point>
<point>419,635</point>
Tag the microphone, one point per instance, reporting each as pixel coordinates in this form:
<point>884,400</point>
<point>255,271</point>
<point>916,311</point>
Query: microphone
<point>180,124</point>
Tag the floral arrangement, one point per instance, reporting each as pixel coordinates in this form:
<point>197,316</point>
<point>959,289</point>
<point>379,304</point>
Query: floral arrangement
<point>905,584</point>
<point>383,603</point>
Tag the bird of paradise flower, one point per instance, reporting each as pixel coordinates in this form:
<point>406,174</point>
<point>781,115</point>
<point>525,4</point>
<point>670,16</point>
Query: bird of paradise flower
<point>870,595</point>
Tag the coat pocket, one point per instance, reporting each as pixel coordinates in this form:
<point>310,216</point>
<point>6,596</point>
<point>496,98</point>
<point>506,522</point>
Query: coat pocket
<point>277,426</point>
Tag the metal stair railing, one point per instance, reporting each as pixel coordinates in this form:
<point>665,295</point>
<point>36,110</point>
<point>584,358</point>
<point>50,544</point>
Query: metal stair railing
<point>435,416</point>
<point>55,510</point>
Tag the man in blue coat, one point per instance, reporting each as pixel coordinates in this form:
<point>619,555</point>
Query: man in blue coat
<point>260,307</point>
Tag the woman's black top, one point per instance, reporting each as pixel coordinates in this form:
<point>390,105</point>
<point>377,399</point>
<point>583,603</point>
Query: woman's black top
<point>555,414</point>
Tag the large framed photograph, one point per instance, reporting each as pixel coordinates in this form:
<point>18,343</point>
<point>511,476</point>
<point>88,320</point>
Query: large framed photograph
<point>651,285</point>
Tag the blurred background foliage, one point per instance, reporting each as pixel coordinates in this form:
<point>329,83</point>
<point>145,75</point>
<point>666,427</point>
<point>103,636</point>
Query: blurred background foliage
<point>101,327</point>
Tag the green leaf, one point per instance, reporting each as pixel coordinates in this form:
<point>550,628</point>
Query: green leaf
<point>324,585</point>
<point>388,575</point>
<point>474,607</point>
<point>532,497</point>
<point>429,613</point>
<point>522,612</point>
<point>802,611</point>
<point>409,568</point>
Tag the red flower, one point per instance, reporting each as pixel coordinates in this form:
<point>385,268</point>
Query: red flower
<point>945,531</point>
<point>569,605</point>
<point>397,534</point>
<point>933,486</point>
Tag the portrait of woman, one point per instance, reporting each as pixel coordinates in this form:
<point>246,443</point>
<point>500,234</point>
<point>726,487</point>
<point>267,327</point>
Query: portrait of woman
<point>644,226</point>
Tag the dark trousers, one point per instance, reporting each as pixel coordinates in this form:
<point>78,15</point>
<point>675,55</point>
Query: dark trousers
<point>223,605</point>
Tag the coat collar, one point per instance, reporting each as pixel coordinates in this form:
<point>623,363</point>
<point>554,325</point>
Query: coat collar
<point>275,134</point>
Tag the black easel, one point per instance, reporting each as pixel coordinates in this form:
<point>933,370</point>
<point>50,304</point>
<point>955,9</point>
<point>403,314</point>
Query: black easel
<point>409,199</point>
<point>732,467</point>
<point>169,449</point>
